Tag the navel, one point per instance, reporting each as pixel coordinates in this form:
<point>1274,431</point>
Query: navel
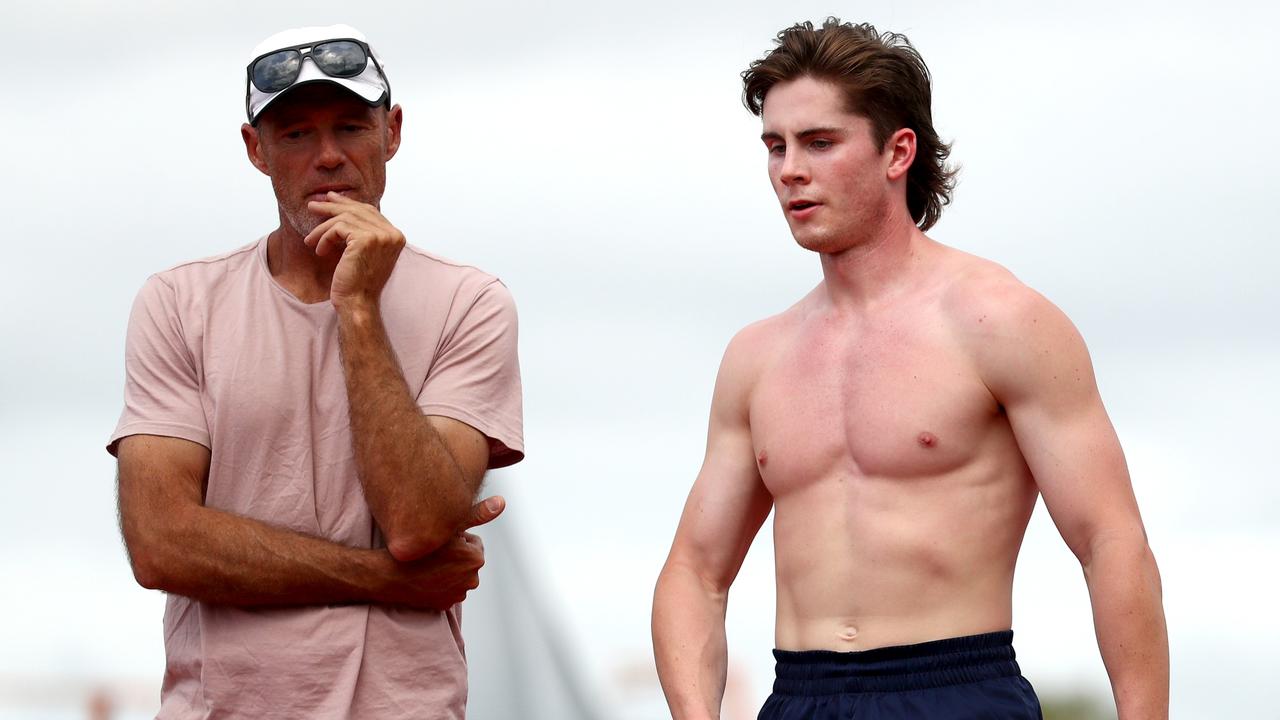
<point>927,439</point>
<point>848,633</point>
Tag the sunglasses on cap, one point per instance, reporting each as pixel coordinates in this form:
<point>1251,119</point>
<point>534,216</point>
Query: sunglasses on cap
<point>340,58</point>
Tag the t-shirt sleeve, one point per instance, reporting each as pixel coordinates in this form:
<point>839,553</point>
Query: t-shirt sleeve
<point>161,384</point>
<point>476,375</point>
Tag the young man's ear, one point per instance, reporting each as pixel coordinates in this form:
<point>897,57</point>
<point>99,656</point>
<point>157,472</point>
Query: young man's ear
<point>901,147</point>
<point>253,147</point>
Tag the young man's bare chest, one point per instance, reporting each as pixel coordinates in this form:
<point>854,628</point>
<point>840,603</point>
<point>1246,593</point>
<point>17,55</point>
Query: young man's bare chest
<point>892,397</point>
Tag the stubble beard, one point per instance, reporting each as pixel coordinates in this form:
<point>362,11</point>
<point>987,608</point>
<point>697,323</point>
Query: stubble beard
<point>294,213</point>
<point>300,219</point>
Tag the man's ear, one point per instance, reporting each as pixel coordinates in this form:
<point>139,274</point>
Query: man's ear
<point>395,120</point>
<point>253,147</point>
<point>901,151</point>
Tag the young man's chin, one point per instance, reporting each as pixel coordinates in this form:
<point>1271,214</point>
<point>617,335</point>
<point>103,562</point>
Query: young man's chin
<point>818,242</point>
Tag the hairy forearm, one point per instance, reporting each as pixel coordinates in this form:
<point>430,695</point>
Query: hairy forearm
<point>1128,615</point>
<point>689,642</point>
<point>218,557</point>
<point>412,483</point>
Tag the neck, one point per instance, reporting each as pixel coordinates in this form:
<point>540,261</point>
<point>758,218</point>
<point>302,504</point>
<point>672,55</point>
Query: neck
<point>874,269</point>
<point>296,267</point>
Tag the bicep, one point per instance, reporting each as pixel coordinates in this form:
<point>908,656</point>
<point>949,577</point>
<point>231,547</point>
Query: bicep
<point>729,501</point>
<point>162,387</point>
<point>475,377</point>
<point>159,478</point>
<point>724,511</point>
<point>467,446</point>
<point>1050,394</point>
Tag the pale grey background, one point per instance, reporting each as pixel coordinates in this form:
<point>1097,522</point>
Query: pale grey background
<point>1119,157</point>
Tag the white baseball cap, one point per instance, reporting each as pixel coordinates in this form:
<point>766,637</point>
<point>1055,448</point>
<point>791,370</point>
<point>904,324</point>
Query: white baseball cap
<point>370,85</point>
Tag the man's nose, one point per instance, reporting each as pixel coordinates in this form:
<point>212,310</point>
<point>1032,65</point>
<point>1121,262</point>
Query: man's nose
<point>794,169</point>
<point>329,154</point>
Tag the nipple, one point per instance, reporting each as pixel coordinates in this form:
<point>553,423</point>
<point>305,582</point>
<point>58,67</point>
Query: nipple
<point>927,439</point>
<point>762,458</point>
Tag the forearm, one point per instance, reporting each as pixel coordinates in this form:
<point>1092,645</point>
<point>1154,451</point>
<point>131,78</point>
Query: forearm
<point>217,557</point>
<point>412,483</point>
<point>1128,616</point>
<point>689,642</point>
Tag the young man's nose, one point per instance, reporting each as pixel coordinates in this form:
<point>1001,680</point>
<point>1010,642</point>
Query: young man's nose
<point>794,169</point>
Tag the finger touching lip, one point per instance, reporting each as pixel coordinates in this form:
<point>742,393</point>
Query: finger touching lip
<point>327,193</point>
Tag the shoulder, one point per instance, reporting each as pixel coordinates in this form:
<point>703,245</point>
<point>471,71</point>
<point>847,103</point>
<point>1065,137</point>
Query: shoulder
<point>982,300</point>
<point>754,348</point>
<point>190,281</point>
<point>428,287</point>
<point>204,269</point>
<point>467,283</point>
<point>1008,328</point>
<point>418,260</point>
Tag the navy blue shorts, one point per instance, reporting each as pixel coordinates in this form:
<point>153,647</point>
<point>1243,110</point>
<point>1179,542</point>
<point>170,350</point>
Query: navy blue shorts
<point>964,678</point>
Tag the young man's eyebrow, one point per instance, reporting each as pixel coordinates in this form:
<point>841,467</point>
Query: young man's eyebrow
<point>805,134</point>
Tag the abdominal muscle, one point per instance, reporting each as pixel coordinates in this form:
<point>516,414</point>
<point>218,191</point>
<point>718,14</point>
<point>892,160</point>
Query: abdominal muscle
<point>872,561</point>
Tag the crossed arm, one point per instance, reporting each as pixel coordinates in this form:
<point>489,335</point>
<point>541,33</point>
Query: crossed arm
<point>178,545</point>
<point>420,474</point>
<point>1039,369</point>
<point>725,509</point>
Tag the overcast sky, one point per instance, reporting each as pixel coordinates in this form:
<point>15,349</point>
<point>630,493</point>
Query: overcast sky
<point>1119,157</point>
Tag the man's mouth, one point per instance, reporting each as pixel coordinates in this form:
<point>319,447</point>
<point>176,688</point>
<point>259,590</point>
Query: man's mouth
<point>799,205</point>
<point>320,192</point>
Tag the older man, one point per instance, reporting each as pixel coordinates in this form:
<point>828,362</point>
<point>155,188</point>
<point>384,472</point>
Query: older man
<point>307,422</point>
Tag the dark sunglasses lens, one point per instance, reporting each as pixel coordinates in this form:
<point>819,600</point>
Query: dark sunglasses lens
<point>340,58</point>
<point>277,71</point>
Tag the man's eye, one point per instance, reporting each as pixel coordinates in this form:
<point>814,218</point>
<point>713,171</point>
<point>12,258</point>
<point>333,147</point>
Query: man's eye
<point>820,144</point>
<point>778,150</point>
<point>293,134</point>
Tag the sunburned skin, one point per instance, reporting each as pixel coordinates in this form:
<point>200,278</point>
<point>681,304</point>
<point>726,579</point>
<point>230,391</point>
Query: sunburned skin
<point>883,533</point>
<point>892,421</point>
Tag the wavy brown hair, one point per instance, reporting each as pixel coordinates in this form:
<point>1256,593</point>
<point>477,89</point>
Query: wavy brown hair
<point>883,78</point>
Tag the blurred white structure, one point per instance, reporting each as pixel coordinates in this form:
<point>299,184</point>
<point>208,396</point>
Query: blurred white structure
<point>518,661</point>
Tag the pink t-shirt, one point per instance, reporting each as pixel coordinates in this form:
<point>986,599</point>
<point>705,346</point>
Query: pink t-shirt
<point>219,354</point>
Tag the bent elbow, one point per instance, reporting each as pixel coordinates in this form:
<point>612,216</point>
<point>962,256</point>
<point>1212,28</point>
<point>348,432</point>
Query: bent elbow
<point>682,570</point>
<point>146,571</point>
<point>413,538</point>
<point>153,555</point>
<point>408,548</point>
<point>1127,547</point>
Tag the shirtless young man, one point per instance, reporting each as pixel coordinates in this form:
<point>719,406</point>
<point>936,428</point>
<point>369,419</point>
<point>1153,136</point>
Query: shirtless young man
<point>900,419</point>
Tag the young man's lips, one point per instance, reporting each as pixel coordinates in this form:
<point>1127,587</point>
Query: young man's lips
<point>802,208</point>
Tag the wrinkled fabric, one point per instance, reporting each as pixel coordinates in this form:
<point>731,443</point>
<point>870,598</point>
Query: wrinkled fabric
<point>966,678</point>
<point>219,354</point>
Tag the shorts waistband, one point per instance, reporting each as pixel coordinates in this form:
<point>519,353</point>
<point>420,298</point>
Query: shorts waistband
<point>952,661</point>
